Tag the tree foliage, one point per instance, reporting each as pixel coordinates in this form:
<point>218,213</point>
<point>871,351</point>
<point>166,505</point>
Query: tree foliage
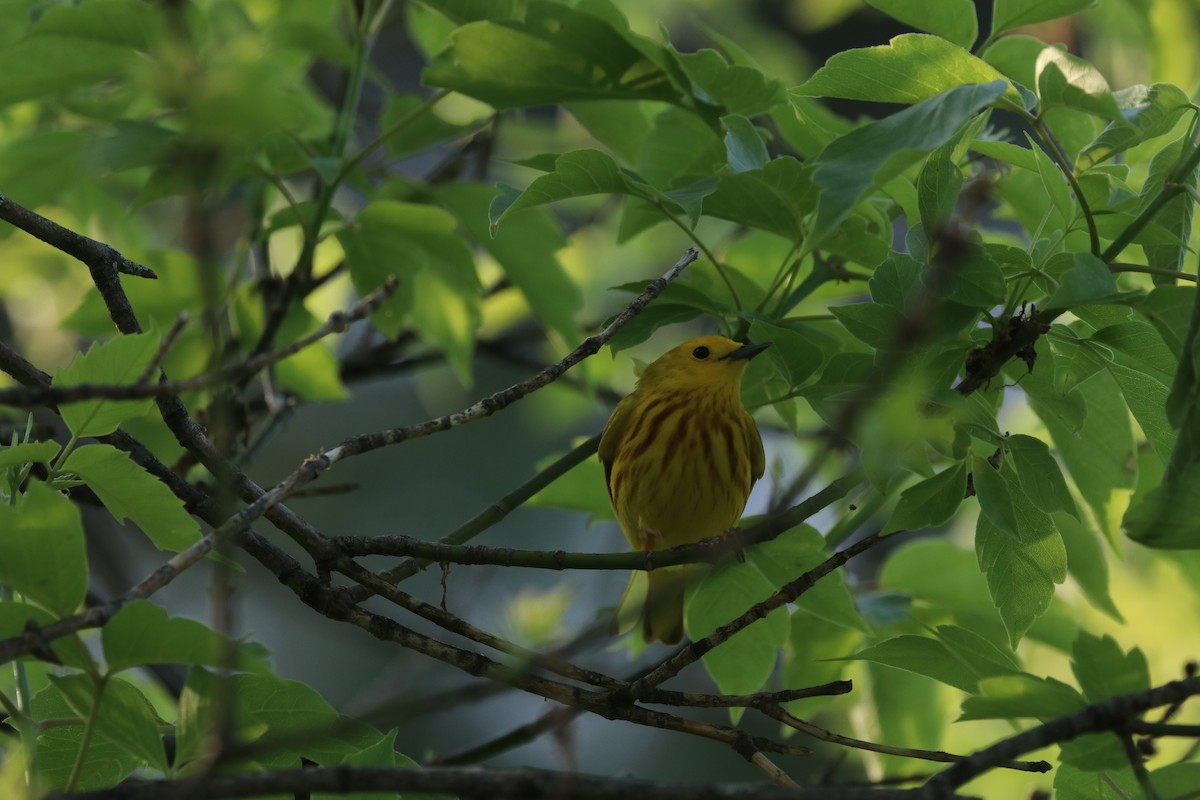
<point>983,347</point>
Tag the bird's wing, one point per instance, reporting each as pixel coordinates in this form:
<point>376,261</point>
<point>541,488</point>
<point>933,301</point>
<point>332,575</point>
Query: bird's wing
<point>758,458</point>
<point>614,434</point>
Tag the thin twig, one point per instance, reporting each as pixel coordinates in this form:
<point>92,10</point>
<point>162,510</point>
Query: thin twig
<point>337,322</point>
<point>778,713</point>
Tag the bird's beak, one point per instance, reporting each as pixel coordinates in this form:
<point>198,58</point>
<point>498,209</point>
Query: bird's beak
<point>747,351</point>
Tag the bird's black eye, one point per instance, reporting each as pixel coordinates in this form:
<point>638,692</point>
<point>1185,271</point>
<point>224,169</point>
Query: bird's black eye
<point>700,353</point>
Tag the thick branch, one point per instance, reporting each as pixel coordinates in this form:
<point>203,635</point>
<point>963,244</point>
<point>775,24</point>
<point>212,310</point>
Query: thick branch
<point>468,783</point>
<point>92,253</point>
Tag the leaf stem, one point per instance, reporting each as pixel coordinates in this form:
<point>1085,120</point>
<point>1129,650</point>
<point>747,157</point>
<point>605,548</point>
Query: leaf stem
<point>1068,171</point>
<point>89,731</point>
<point>1169,273</point>
<point>1171,187</point>
<point>737,303</point>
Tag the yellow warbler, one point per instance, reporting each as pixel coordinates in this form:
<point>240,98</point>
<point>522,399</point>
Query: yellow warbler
<point>680,455</point>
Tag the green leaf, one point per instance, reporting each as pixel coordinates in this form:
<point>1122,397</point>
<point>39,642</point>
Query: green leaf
<point>953,20</point>
<point>745,149</point>
<point>1148,112</point>
<point>129,492</point>
<point>53,63</point>
<point>526,249</point>
<point>875,153</point>
<point>106,765</point>
<point>895,280</point>
<point>1091,431</point>
<point>418,129</point>
<point>422,247</point>
<point>141,633</point>
<point>581,488</point>
<point>813,656</point>
<point>620,125</point>
<point>744,662</point>
<point>125,718</point>
<point>28,453</point>
<point>1068,81</point>
<point>1176,214</point>
<point>793,353</point>
<point>1168,517</point>
<point>556,55</point>
<point>938,185</point>
<point>1104,670</point>
<point>921,655</point>
<point>976,280</point>
<point>1055,185</point>
<point>42,552</point>
<point>930,502</point>
<point>461,12</point>
<point>1009,14</point>
<point>871,323</point>
<point>957,657</point>
<point>1041,479</point>
<point>126,23</point>
<point>737,88</point>
<point>1074,783</point>
<point>910,68</point>
<point>995,499</point>
<point>1087,563</point>
<point>1021,695</point>
<point>1016,57</point>
<point>576,174</point>
<point>1085,279</point>
<point>775,198</point>
<point>790,555</point>
<point>118,361</point>
<point>267,705</point>
<point>1021,574</point>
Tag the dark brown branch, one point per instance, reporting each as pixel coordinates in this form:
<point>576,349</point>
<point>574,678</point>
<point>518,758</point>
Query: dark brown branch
<point>1113,714</point>
<point>468,783</point>
<point>92,253</point>
<point>1013,338</point>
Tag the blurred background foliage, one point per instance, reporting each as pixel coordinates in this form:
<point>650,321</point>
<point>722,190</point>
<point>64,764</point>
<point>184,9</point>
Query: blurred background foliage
<point>197,138</point>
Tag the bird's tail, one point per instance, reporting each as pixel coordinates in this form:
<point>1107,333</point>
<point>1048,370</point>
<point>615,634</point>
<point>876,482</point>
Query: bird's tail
<point>660,603</point>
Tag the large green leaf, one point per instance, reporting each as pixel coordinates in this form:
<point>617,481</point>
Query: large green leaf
<point>141,633</point>
<point>557,54</point>
<point>119,361</point>
<point>931,502</point>
<point>744,662</point>
<point>1009,14</point>
<point>421,246</point>
<point>953,20</point>
<point>736,88</point>
<point>873,154</point>
<point>1147,112</point>
<point>525,248</point>
<point>790,555</point>
<point>1021,695</point>
<point>1068,81</point>
<point>1104,670</point>
<point>1021,574</point>
<point>775,198</point>
<point>129,492</point>
<point>124,717</point>
<point>576,174</point>
<point>42,552</point>
<point>910,68</point>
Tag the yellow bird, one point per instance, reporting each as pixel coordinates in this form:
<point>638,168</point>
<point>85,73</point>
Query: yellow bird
<point>680,456</point>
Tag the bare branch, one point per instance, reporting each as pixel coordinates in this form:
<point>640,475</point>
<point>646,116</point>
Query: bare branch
<point>468,783</point>
<point>92,253</point>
